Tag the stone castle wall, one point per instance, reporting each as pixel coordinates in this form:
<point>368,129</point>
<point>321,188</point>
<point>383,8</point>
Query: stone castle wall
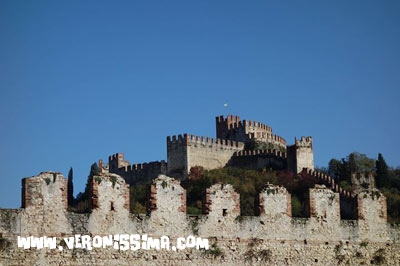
<point>134,173</point>
<point>327,180</point>
<point>187,151</point>
<point>233,128</point>
<point>259,159</point>
<point>233,136</point>
<point>273,237</point>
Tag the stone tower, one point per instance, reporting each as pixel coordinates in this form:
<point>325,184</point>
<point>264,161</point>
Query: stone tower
<point>232,128</point>
<point>300,155</point>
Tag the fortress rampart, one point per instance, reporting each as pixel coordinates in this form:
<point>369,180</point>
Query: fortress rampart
<point>323,236</point>
<point>259,159</point>
<point>329,181</point>
<point>134,173</point>
<point>233,135</point>
<point>187,151</point>
<point>44,196</point>
<point>233,128</point>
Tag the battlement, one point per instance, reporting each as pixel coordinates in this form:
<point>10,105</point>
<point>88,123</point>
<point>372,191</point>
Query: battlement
<point>328,180</point>
<point>33,185</point>
<point>188,139</point>
<point>275,201</point>
<point>233,128</point>
<point>304,142</point>
<point>116,161</point>
<point>323,234</point>
<point>268,137</point>
<point>232,121</point>
<point>187,151</point>
<point>167,212</point>
<point>259,159</point>
<point>301,155</point>
<point>272,152</point>
<point>135,173</point>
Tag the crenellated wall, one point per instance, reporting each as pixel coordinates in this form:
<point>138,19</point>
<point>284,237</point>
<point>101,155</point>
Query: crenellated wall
<point>109,201</point>
<point>133,173</point>
<point>44,207</point>
<point>275,202</point>
<point>323,235</point>
<point>233,135</point>
<point>233,128</point>
<point>327,180</point>
<point>187,151</point>
<point>166,208</point>
<point>259,159</point>
<point>45,200</point>
<point>372,215</point>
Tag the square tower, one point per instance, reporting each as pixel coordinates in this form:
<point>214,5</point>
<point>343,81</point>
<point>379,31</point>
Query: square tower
<point>301,155</point>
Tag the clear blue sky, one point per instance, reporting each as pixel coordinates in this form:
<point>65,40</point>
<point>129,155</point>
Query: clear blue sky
<point>81,80</point>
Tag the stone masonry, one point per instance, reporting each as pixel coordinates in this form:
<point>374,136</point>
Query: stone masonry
<point>228,149</point>
<point>272,238</point>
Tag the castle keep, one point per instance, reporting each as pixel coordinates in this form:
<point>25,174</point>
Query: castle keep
<point>238,143</point>
<point>273,237</point>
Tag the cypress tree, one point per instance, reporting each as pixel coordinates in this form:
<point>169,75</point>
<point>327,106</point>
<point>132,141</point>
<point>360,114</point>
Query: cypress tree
<point>94,170</point>
<point>70,187</point>
<point>382,173</point>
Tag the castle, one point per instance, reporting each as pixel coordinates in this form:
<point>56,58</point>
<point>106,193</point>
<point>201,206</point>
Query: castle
<point>273,237</point>
<point>236,141</point>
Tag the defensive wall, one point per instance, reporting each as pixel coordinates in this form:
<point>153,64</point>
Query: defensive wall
<point>259,159</point>
<point>186,151</point>
<point>232,128</point>
<point>233,135</point>
<point>272,238</point>
<point>133,173</point>
<point>348,198</point>
<point>329,181</point>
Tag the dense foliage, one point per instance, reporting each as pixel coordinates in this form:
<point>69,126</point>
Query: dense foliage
<point>341,170</point>
<point>248,183</point>
<point>138,198</point>
<point>387,179</point>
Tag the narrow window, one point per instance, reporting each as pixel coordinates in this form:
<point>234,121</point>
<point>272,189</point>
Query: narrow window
<point>112,206</point>
<point>224,213</point>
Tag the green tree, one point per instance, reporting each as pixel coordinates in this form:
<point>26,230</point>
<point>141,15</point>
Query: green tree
<point>94,170</point>
<point>360,163</point>
<point>138,198</point>
<point>297,207</point>
<point>339,170</point>
<point>70,187</point>
<point>335,168</point>
<point>354,163</point>
<point>382,173</point>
